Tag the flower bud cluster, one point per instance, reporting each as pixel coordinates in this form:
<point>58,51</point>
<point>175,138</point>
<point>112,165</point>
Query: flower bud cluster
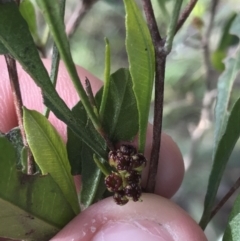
<point>125,182</point>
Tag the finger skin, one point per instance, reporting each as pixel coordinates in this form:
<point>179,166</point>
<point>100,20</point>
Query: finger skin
<point>154,216</point>
<point>32,98</point>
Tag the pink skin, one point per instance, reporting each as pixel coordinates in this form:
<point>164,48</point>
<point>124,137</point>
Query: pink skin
<point>154,217</point>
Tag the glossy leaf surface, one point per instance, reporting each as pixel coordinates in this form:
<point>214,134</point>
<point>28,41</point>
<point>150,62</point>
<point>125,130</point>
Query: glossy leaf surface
<point>50,153</point>
<point>31,207</point>
<point>120,118</point>
<point>142,64</point>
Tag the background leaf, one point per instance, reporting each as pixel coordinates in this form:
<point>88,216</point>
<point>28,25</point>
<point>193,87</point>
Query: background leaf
<point>15,36</point>
<point>31,207</point>
<point>221,157</point>
<point>120,118</point>
<point>50,153</point>
<point>232,232</point>
<point>142,64</point>
<point>27,10</point>
<point>227,129</point>
<point>225,83</point>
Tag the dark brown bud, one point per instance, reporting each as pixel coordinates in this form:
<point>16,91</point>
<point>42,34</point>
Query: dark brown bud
<point>120,198</point>
<point>113,182</point>
<point>133,192</point>
<point>127,150</point>
<point>133,177</point>
<point>138,162</point>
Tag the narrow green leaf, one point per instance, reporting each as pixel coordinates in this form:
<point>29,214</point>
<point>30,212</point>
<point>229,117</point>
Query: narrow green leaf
<point>50,153</point>
<point>171,31</point>
<point>120,119</point>
<point>31,207</point>
<point>142,64</point>
<point>52,15</point>
<point>91,177</point>
<point>106,77</point>
<point>227,129</point>
<point>15,36</point>
<point>225,83</point>
<point>221,157</point>
<point>27,10</point>
<point>232,232</point>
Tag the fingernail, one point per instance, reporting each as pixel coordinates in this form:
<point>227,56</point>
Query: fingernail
<point>140,230</point>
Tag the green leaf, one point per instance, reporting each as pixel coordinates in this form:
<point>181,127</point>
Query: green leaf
<point>222,154</point>
<point>120,118</point>
<point>50,153</point>
<point>31,207</point>
<point>27,10</point>
<point>75,149</point>
<point>225,83</point>
<point>15,137</point>
<point>226,40</point>
<point>15,36</point>
<point>52,14</point>
<point>227,129</point>
<point>92,180</point>
<point>232,232</point>
<point>142,64</point>
<point>3,50</point>
<point>81,160</point>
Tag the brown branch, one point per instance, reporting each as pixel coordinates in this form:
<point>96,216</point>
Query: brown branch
<point>17,99</point>
<point>160,57</point>
<point>152,23</point>
<point>225,198</point>
<point>78,15</point>
<point>185,14</point>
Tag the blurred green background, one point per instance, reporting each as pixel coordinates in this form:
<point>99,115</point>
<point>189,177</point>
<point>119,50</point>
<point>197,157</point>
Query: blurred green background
<point>190,87</point>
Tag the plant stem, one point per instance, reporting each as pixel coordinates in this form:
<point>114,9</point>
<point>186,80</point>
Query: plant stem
<point>17,99</point>
<point>90,92</point>
<point>185,14</point>
<point>101,166</point>
<point>91,96</point>
<point>172,26</point>
<point>225,198</point>
<point>158,43</point>
<point>55,58</point>
<point>54,73</point>
<point>106,78</point>
<point>93,103</point>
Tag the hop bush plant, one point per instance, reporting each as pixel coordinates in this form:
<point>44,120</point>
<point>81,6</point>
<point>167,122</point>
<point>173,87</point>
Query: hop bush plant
<point>34,158</point>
